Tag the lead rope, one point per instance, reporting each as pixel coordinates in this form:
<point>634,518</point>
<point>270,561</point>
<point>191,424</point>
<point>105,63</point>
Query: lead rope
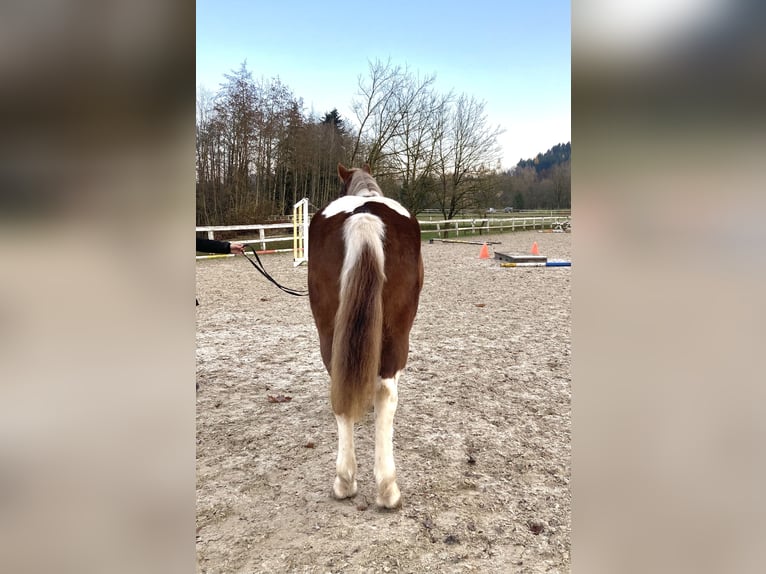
<point>262,271</point>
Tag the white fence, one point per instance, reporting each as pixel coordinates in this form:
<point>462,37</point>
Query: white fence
<point>487,225</point>
<point>261,229</point>
<point>443,228</point>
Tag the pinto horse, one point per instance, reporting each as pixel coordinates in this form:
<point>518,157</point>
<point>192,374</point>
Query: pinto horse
<point>365,274</point>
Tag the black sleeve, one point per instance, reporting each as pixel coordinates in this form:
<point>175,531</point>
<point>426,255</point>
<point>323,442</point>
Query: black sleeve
<point>213,246</point>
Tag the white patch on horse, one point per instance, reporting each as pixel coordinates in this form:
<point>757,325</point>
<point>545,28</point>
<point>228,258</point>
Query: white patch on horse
<point>345,481</point>
<point>348,203</point>
<point>386,399</point>
<point>360,230</point>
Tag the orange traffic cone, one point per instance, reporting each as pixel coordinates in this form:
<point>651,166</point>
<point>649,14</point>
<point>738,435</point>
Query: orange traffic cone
<point>484,252</point>
<point>535,251</point>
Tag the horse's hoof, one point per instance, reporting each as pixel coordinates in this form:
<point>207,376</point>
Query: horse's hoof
<point>342,489</point>
<point>390,498</point>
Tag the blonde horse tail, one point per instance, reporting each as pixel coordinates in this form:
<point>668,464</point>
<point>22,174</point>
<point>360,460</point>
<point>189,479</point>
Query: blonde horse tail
<point>358,334</point>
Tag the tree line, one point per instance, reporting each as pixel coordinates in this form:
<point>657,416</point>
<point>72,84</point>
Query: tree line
<point>542,182</point>
<point>258,152</point>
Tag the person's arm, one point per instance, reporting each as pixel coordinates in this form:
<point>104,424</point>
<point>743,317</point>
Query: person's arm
<point>213,246</point>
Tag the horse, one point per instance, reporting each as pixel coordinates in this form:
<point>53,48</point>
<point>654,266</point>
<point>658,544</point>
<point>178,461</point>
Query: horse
<point>365,274</point>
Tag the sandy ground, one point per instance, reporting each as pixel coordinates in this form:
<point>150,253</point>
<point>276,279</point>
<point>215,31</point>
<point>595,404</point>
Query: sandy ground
<point>481,435</point>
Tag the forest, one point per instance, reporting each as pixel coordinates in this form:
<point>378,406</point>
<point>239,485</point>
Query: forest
<point>258,151</point>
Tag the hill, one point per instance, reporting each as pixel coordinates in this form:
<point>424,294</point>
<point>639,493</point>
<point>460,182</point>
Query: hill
<point>558,154</point>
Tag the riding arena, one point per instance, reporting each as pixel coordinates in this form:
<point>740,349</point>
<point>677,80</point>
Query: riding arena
<point>460,458</point>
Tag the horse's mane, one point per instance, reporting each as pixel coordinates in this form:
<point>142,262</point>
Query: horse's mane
<point>362,183</point>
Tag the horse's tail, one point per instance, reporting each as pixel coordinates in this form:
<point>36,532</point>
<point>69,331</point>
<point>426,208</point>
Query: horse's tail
<point>358,334</point>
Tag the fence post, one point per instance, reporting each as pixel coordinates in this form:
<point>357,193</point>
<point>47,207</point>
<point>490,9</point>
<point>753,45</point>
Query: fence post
<point>262,235</point>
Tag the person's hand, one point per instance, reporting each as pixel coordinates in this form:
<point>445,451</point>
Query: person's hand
<point>237,248</point>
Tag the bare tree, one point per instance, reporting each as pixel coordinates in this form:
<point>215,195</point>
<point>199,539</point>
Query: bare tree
<point>374,107</point>
<point>385,98</point>
<point>467,148</point>
<point>236,109</point>
<point>562,185</point>
<point>204,143</point>
<point>412,155</point>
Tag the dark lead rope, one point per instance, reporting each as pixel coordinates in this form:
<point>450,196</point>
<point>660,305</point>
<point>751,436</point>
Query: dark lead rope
<point>262,271</point>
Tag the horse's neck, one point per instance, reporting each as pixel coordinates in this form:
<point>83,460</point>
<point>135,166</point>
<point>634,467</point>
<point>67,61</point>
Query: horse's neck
<point>363,186</point>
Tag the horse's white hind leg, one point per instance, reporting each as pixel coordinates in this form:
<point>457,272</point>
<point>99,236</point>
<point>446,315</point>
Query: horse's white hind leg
<point>386,399</point>
<point>345,481</point>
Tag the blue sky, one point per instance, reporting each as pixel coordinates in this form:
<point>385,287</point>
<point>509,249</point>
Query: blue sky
<point>513,55</point>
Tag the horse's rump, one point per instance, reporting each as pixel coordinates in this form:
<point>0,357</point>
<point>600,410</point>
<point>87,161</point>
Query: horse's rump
<point>365,276</point>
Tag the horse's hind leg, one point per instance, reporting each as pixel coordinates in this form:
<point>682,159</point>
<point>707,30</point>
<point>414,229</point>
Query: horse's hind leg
<point>345,480</point>
<point>386,399</point>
